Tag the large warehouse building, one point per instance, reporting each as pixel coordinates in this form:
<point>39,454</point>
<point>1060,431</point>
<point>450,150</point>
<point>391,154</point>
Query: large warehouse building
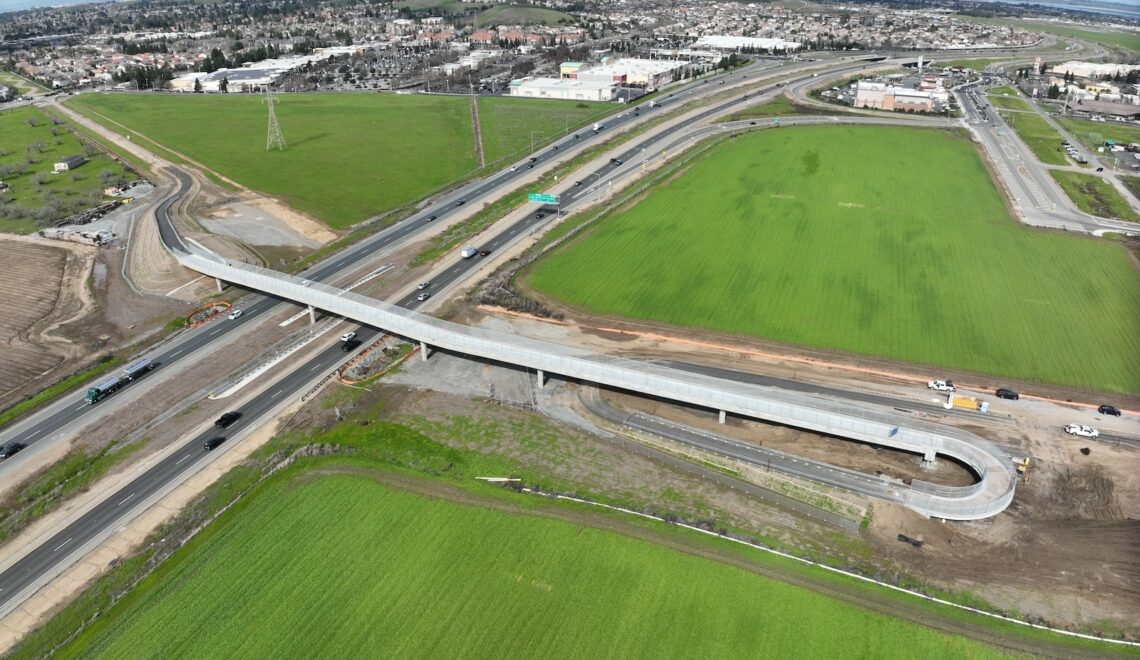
<point>566,89</point>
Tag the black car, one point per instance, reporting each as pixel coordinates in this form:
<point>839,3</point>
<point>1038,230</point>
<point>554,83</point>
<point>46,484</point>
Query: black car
<point>12,449</point>
<point>1109,410</point>
<point>227,419</point>
<point>539,216</point>
<point>577,183</point>
<point>575,136</point>
<point>1004,393</point>
<point>484,253</point>
<point>213,443</point>
<point>461,202</point>
<point>431,217</point>
<point>349,345</point>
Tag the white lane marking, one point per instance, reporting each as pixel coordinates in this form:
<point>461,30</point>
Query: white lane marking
<point>126,499</point>
<point>61,545</point>
<point>215,332</point>
<point>315,367</point>
<point>179,461</point>
<point>82,407</point>
<point>176,352</point>
<point>275,395</point>
<point>33,434</point>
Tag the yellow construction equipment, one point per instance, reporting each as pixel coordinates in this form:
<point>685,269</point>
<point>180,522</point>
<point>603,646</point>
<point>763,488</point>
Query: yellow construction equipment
<point>1023,465</point>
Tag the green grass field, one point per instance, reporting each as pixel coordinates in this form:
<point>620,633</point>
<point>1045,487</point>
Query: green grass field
<point>1132,183</point>
<point>974,64</point>
<point>1038,135</point>
<point>517,15</point>
<point>858,242</point>
<point>1008,98</point>
<point>350,156</point>
<point>508,125</point>
<point>430,578</point>
<point>1092,194</point>
<point>1118,39</point>
<point>34,196</point>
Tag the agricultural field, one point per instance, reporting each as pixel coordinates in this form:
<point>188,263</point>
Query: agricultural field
<point>30,143</point>
<point>852,245</point>
<point>431,578</point>
<point>1092,194</point>
<point>350,156</point>
<point>1038,135</point>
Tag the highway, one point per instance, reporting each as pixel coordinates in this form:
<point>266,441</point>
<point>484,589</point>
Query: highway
<point>48,558</point>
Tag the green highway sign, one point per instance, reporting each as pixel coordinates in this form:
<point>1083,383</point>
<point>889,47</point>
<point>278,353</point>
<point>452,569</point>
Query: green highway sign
<point>541,198</point>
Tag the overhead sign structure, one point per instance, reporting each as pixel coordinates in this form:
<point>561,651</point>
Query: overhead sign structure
<point>542,198</point>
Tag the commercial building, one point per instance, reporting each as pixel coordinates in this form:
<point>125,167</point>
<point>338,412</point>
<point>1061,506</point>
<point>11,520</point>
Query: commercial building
<point>566,89</point>
<point>885,96</point>
<point>1093,69</point>
<point>636,72</point>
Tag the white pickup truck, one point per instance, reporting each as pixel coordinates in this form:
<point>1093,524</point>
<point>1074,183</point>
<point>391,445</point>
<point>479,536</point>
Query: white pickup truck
<point>941,385</point>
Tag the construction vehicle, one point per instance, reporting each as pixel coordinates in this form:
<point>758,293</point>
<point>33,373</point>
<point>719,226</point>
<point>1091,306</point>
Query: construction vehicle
<point>106,388</point>
<point>968,403</point>
<point>1023,465</point>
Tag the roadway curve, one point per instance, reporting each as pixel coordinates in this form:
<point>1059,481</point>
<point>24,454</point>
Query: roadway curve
<point>991,495</point>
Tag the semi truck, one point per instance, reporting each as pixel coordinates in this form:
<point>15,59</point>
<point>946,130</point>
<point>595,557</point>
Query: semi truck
<point>112,384</point>
<point>597,127</point>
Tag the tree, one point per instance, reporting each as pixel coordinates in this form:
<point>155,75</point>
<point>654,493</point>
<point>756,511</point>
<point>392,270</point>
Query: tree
<point>224,85</point>
<point>1054,92</point>
<point>197,85</point>
<point>1041,69</point>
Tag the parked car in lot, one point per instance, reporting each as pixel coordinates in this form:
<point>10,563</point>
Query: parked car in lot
<point>1109,410</point>
<point>227,419</point>
<point>213,443</point>
<point>12,449</point>
<point>1003,393</point>
<point>1082,430</point>
<point>941,385</point>
<point>235,314</point>
<point>348,336</point>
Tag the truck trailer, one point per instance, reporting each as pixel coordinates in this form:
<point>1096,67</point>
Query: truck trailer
<point>112,384</point>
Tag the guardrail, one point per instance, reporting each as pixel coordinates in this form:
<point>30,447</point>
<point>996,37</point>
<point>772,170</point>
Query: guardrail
<point>988,498</point>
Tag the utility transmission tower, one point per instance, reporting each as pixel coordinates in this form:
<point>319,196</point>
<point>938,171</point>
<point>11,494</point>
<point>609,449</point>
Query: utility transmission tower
<point>273,139</point>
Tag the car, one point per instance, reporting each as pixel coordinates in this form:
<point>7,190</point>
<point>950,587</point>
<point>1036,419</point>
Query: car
<point>555,147</point>
<point>941,385</point>
<point>530,166</point>
<point>1004,393</point>
<point>12,449</point>
<point>617,161</point>
<point>423,296</point>
<point>213,443</point>
<point>484,253</point>
<point>432,217</point>
<point>350,345</point>
<point>227,419</point>
<point>461,202</point>
<point>575,136</point>
<point>577,183</point>
<point>348,336</point>
<point>751,123</point>
<point>305,282</point>
<point>235,314</point>
<point>540,215</point>
<point>423,285</point>
<point>514,168</point>
<point>1100,169</point>
<point>1109,410</point>
<point>1082,430</point>
<point>532,159</point>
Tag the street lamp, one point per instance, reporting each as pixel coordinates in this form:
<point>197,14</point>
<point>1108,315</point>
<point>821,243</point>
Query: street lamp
<point>532,134</point>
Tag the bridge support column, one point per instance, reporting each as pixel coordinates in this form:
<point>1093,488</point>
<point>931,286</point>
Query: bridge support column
<point>219,283</point>
<point>424,351</point>
<point>541,378</point>
<point>312,316</point>
<point>928,457</point>
<point>722,416</point>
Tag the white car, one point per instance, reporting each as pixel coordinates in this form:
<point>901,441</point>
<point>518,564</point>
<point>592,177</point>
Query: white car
<point>348,336</point>
<point>941,385</point>
<point>1082,430</point>
<point>423,296</point>
<point>234,314</point>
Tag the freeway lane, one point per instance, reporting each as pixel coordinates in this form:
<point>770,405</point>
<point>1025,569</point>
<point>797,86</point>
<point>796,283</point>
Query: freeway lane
<point>78,538</point>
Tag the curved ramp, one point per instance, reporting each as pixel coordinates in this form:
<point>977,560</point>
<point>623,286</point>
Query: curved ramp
<point>987,498</point>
